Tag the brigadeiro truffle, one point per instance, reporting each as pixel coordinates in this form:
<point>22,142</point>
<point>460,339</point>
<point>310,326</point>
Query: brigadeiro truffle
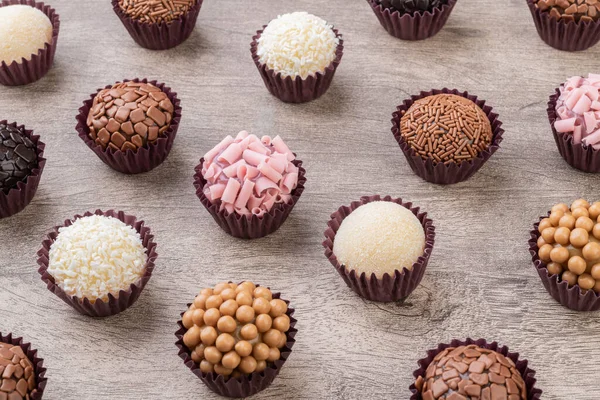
<point>21,371</point>
<point>249,184</point>
<point>446,136</point>
<point>98,263</point>
<point>236,338</point>
<point>130,125</point>
<point>565,247</point>
<point>574,114</point>
<point>570,25</point>
<point>412,19</point>
<point>380,246</point>
<point>21,166</point>
<point>277,49</point>
<point>158,25</point>
<point>28,36</point>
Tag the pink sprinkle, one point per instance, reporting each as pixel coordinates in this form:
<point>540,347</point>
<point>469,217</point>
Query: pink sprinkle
<point>582,105</point>
<point>565,125</point>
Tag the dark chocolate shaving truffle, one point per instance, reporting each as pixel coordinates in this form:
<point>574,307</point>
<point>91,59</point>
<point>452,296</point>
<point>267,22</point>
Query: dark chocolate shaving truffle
<point>412,6</point>
<point>18,157</point>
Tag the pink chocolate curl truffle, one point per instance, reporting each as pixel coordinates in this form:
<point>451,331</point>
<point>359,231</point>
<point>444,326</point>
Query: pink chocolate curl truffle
<point>578,109</point>
<point>249,175</point>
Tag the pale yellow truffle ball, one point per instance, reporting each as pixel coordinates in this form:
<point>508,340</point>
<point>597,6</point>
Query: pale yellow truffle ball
<point>23,31</point>
<point>379,237</point>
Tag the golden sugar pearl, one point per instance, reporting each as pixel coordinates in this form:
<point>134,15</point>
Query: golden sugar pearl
<point>544,252</point>
<point>579,237</point>
<point>596,230</point>
<point>200,301</point>
<point>580,203</point>
<point>260,351</point>
<point>248,286</point>
<point>554,268</point>
<point>195,357</point>
<point>278,307</point>
<point>594,210</point>
<point>596,271</point>
<point>221,370</point>
<point>236,373</point>
<point>219,287</point>
<point>229,307</point>
<point>272,337</point>
<point>208,336</point>
<point>263,322</point>
<point>233,286</point>
<point>249,332</point>
<point>261,305</point>
<point>198,316</point>
<point>591,251</point>
<point>244,314</point>
<point>187,320</point>
<point>231,360</point>
<point>192,307</point>
<point>580,212</point>
<point>247,365</point>
<point>561,236</point>
<point>548,235</point>
<point>211,316</point>
<point>555,217</point>
<point>226,324</point>
<point>243,348</point>
<point>214,301</point>
<point>244,298</point>
<point>282,323</point>
<point>586,282</point>
<point>192,337</point>
<point>560,207</point>
<point>567,221</point>
<point>261,365</point>
<point>228,294</point>
<point>206,292</point>
<point>569,277</point>
<point>199,350</point>
<point>264,293</point>
<point>577,265</point>
<point>541,242</point>
<point>212,355</point>
<point>597,287</point>
<point>544,223</point>
<point>206,367</point>
<point>559,254</point>
<point>585,223</point>
<point>274,354</point>
<point>282,342</point>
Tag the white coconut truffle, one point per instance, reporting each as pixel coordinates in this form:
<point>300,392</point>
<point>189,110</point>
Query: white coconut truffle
<point>24,30</point>
<point>379,237</point>
<point>297,44</point>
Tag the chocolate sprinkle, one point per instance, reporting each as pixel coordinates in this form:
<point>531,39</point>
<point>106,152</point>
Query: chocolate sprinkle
<point>571,10</point>
<point>18,157</point>
<point>412,6</point>
<point>155,11</point>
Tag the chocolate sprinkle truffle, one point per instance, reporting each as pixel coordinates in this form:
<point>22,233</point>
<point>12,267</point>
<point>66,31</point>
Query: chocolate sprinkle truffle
<point>571,10</point>
<point>411,6</point>
<point>129,115</point>
<point>18,157</point>
<point>471,373</point>
<point>23,32</point>
<point>446,128</point>
<point>153,12</point>
<point>17,375</point>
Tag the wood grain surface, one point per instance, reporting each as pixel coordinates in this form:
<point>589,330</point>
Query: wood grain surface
<point>480,281</point>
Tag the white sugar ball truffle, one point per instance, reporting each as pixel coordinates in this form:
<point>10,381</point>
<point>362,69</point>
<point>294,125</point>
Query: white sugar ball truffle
<point>24,30</point>
<point>379,237</point>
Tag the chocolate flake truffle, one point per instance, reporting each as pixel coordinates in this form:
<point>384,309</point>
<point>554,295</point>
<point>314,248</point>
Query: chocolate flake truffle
<point>153,11</point>
<point>297,44</point>
<point>411,6</point>
<point>17,375</point>
<point>18,157</point>
<point>23,32</point>
<point>129,115</point>
<point>471,373</point>
<point>378,238</point>
<point>571,10</point>
<point>446,128</point>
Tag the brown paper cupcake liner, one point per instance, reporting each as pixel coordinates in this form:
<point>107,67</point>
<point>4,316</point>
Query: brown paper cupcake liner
<point>125,298</point>
<point>19,197</point>
<point>240,226</point>
<point>159,36</point>
<point>38,363</point>
<point>527,373</point>
<point>449,173</point>
<point>143,159</point>
<point>245,385</point>
<point>28,71</point>
<point>568,36</point>
<point>579,156</point>
<point>389,288</point>
<point>570,297</point>
<point>418,26</point>
<point>297,90</point>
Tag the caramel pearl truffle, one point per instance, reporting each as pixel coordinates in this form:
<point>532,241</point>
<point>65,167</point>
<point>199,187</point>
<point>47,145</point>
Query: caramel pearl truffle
<point>378,238</point>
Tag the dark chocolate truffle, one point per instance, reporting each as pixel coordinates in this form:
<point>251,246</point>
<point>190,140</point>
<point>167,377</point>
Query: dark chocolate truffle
<point>18,157</point>
<point>17,380</point>
<point>412,6</point>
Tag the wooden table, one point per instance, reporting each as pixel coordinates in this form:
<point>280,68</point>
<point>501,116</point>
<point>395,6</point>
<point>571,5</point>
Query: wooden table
<point>480,281</point>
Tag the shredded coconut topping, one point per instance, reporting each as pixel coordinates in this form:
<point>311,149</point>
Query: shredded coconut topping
<point>297,44</point>
<point>95,256</point>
